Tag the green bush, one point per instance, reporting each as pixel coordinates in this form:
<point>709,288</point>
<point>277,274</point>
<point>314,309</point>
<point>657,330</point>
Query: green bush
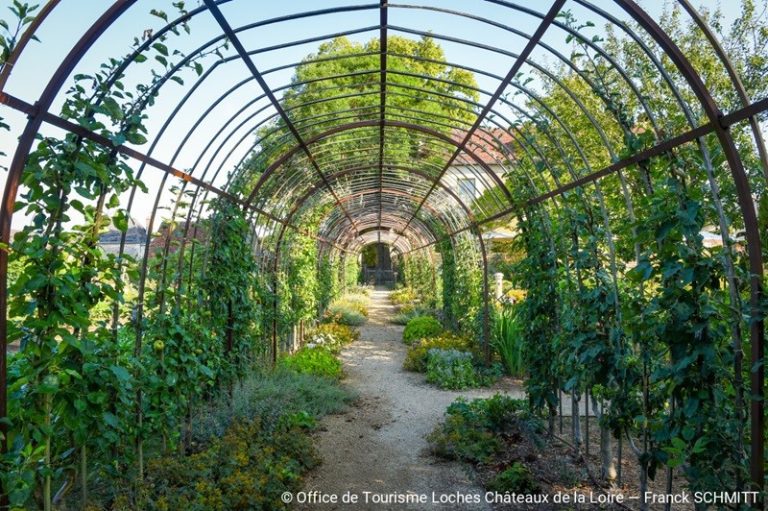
<point>515,479</point>
<point>333,336</point>
<point>247,448</point>
<point>455,370</point>
<point>403,296</point>
<point>508,340</point>
<point>248,468</point>
<point>451,369</point>
<point>407,313</point>
<point>360,290</point>
<point>472,431</point>
<point>421,327</point>
<point>318,361</point>
<point>269,395</point>
<point>353,301</point>
<point>351,310</point>
<point>416,356</point>
<point>343,316</point>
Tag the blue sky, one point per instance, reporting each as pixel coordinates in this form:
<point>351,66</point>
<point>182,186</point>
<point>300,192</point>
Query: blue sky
<point>72,18</point>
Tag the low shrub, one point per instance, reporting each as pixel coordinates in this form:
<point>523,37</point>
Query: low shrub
<point>351,310</point>
<point>250,467</point>
<point>515,479</point>
<point>317,361</point>
<point>342,316</point>
<point>248,446</point>
<point>408,312</point>
<point>451,369</point>
<point>360,290</point>
<point>332,335</point>
<point>455,370</point>
<point>421,327</point>
<point>269,395</point>
<point>472,430</point>
<point>353,301</point>
<point>403,296</point>
<point>416,356</point>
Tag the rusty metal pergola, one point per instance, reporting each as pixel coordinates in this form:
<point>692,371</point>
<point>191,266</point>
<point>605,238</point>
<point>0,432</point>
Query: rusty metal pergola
<point>339,159</point>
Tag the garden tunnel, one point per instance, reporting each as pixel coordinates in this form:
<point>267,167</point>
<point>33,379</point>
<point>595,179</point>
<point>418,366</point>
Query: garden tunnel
<point>217,109</point>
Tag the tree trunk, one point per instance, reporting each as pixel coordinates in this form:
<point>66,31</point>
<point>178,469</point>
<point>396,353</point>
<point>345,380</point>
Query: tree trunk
<point>576,420</point>
<point>608,465</point>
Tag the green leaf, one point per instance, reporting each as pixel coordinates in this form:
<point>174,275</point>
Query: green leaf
<point>121,373</point>
<point>111,420</point>
<point>120,220</point>
<point>161,48</point>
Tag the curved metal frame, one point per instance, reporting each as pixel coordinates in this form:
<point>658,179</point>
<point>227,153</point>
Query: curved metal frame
<point>295,138</point>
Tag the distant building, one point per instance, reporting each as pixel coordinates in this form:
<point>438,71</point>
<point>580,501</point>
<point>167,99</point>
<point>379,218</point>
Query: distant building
<point>135,240</point>
<point>494,148</point>
<point>173,234</point>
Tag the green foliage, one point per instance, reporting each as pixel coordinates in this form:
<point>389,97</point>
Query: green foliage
<point>421,327</point>
<point>251,445</point>
<point>351,272</point>
<point>403,296</point>
<point>75,387</point>
<point>422,283</point>
<point>471,430</point>
<point>230,290</point>
<point>407,313</point>
<point>462,279</point>
<point>416,356</point>
<point>508,340</point>
<point>333,336</point>
<point>537,272</point>
<point>457,370</point>
<point>248,468</point>
<point>516,478</point>
<point>451,369</point>
<point>268,395</point>
<point>317,361</point>
<point>329,285</point>
<point>350,309</point>
<point>302,272</point>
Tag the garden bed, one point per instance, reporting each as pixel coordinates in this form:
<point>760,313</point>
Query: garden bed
<point>512,452</point>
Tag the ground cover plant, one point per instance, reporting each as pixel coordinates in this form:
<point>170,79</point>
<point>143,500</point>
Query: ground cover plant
<point>421,327</point>
<point>456,370</point>
<point>351,309</point>
<point>417,353</point>
<point>315,360</point>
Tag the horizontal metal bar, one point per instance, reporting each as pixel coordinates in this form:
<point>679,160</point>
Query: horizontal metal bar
<point>54,120</point>
<point>663,147</point>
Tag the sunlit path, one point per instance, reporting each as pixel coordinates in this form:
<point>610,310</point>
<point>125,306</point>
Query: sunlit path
<point>380,445</point>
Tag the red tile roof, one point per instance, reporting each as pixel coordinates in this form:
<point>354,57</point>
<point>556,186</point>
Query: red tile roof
<point>486,144</point>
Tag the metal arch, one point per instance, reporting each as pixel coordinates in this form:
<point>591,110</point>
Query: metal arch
<point>752,234</point>
<point>14,176</point>
<point>338,129</point>
<point>287,186</point>
<point>302,14</point>
<point>351,170</point>
<point>475,230</point>
<point>529,47</point>
<point>383,44</point>
<point>232,36</point>
<point>661,148</point>
<point>716,124</point>
<point>355,169</point>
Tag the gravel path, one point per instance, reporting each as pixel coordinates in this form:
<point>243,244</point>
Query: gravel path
<point>379,445</point>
